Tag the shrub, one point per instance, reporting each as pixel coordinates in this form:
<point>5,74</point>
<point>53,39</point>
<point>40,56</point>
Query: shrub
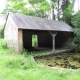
<point>30,63</point>
<point>76,23</point>
<point>3,44</point>
<point>14,62</point>
<point>2,32</point>
<point>19,61</point>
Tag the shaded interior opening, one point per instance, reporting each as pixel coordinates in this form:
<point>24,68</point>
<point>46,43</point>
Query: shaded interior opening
<point>34,40</point>
<point>63,39</point>
<point>42,40</point>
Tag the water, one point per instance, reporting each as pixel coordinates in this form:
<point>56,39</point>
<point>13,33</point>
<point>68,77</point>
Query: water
<point>64,60</point>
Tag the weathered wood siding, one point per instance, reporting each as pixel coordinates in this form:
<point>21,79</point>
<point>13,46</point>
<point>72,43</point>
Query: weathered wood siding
<point>44,39</point>
<point>27,39</point>
<point>11,34</point>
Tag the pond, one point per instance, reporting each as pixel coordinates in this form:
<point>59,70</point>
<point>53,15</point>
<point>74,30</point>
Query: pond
<point>63,60</point>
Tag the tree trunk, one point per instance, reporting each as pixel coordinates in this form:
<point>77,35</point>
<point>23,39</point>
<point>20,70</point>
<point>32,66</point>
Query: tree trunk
<point>58,15</point>
<point>53,15</point>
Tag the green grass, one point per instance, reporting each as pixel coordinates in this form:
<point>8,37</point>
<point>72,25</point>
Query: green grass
<point>21,67</point>
<point>33,40</point>
<point>1,32</point>
<point>34,53</point>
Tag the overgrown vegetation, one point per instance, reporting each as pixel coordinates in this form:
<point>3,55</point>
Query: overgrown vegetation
<point>2,32</point>
<point>20,67</point>
<point>23,67</point>
<point>33,40</point>
<point>42,8</point>
<point>76,23</point>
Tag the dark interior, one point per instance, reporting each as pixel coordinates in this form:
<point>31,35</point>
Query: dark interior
<point>63,39</point>
<point>44,39</point>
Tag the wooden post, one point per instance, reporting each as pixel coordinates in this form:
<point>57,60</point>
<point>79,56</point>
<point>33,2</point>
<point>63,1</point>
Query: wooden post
<point>53,41</point>
<point>20,41</point>
<point>53,34</point>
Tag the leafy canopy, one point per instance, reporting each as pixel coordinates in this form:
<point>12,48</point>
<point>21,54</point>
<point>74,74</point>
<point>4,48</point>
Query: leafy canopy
<point>37,8</point>
<point>76,24</point>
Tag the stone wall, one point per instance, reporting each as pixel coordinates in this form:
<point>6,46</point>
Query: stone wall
<point>11,34</point>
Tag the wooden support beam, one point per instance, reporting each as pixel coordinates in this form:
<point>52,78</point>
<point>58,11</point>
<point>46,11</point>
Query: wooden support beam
<point>53,34</point>
<point>53,42</point>
<point>20,41</point>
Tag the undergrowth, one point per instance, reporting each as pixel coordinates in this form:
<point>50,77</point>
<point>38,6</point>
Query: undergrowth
<point>33,53</point>
<point>23,67</point>
<point>3,44</point>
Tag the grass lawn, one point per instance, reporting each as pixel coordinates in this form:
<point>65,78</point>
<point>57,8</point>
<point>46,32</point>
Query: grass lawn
<point>21,67</point>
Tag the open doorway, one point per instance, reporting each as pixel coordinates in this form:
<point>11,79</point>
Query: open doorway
<point>34,40</point>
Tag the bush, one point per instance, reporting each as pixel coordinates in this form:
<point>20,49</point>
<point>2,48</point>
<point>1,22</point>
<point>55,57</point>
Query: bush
<point>76,23</point>
<point>14,62</point>
<point>19,61</point>
<point>3,44</point>
<point>30,63</point>
<point>2,32</point>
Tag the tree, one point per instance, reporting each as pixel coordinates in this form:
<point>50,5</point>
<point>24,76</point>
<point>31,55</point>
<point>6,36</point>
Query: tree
<point>76,24</point>
<point>78,5</point>
<point>64,9</point>
<point>40,7</point>
<point>7,9</point>
<point>58,15</point>
<point>37,8</point>
<point>67,10</point>
<point>53,2</point>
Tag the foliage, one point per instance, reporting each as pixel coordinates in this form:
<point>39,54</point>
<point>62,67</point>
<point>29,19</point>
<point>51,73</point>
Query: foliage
<point>42,8</point>
<point>67,14</point>
<point>67,9</point>
<point>34,40</point>
<point>39,7</point>
<point>64,9</point>
<point>19,67</point>
<point>8,8</point>
<point>35,1</point>
<point>3,44</point>
<point>20,62</point>
<point>31,7</point>
<point>76,24</point>
<point>2,32</point>
<point>53,4</point>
